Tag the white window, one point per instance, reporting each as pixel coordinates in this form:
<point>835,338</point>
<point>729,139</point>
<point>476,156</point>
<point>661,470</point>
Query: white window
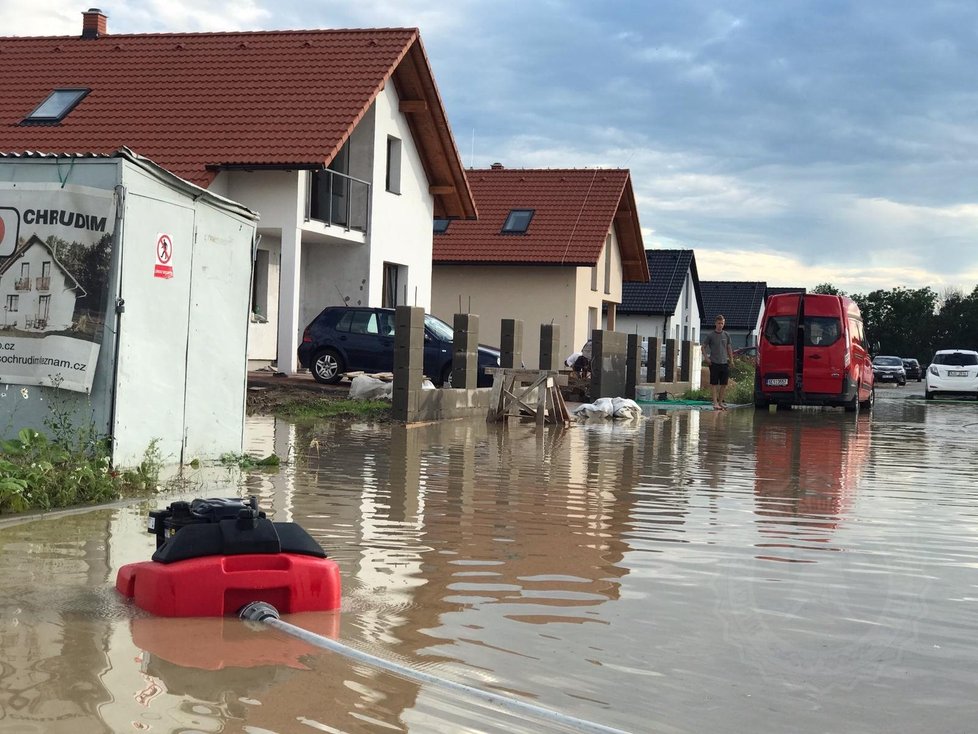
<point>13,303</point>
<point>393,165</point>
<point>607,264</point>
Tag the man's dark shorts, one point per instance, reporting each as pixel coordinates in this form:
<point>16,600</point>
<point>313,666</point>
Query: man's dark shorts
<point>719,373</point>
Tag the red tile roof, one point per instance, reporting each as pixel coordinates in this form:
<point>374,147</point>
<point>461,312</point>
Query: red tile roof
<point>574,210</point>
<point>194,103</point>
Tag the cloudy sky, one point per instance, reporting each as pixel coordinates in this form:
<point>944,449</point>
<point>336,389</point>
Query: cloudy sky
<point>795,141</point>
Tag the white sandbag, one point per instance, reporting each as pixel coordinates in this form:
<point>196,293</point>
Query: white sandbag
<point>590,411</point>
<point>609,409</point>
<point>625,409</point>
<point>365,387</point>
<point>427,384</point>
<point>572,359</point>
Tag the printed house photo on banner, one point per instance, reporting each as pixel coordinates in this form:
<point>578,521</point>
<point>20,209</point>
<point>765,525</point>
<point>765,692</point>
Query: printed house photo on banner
<point>55,258</point>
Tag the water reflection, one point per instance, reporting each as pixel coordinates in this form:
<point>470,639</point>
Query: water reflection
<point>807,468</point>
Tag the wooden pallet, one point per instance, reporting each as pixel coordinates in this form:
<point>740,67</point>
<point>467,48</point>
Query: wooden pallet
<point>512,396</point>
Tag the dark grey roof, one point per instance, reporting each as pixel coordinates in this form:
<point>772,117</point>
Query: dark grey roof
<point>660,295</point>
<point>740,303</point>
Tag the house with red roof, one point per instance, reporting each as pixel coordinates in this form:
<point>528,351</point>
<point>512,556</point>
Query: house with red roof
<point>550,246</point>
<point>338,138</point>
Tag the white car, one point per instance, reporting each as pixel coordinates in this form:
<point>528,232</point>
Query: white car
<point>952,372</point>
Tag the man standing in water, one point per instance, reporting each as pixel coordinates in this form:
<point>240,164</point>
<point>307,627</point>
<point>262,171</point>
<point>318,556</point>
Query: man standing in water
<point>718,354</point>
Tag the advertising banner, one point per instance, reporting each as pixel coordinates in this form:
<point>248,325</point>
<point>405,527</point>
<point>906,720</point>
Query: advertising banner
<point>55,263</point>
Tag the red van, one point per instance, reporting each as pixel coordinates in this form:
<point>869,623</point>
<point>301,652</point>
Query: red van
<point>812,351</point>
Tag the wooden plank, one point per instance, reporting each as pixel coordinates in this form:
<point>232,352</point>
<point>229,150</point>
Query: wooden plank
<point>413,105</point>
<point>541,406</point>
<point>495,399</point>
<point>529,375</point>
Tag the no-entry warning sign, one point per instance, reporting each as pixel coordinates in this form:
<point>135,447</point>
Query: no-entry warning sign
<point>164,256</point>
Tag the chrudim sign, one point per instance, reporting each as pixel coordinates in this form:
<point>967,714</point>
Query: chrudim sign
<point>55,259</point>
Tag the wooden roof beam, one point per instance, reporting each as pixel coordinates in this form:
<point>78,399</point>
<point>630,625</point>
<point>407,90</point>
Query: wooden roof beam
<point>407,106</point>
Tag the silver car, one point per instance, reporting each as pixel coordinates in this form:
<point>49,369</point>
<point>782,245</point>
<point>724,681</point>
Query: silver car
<point>952,372</point>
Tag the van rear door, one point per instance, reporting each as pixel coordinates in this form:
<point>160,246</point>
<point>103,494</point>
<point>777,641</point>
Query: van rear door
<point>824,341</point>
<point>776,351</point>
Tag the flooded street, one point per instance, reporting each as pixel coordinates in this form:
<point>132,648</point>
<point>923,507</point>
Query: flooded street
<point>802,571</point>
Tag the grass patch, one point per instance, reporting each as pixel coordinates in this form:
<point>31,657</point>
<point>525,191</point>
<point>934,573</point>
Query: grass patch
<point>740,390</point>
<point>326,408</point>
<point>246,461</point>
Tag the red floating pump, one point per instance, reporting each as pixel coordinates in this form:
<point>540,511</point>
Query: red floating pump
<point>214,556</point>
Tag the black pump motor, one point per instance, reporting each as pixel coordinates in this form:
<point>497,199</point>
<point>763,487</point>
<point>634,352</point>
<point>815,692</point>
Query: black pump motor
<point>165,523</point>
<point>224,526</point>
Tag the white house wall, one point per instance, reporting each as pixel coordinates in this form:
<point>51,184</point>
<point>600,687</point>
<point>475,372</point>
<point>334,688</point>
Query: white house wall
<point>310,274</point>
<point>644,326</point>
<point>536,295</point>
<point>400,224</point>
<point>588,297</point>
<point>62,292</point>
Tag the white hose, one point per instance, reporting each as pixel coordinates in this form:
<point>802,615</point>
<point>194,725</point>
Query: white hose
<point>262,612</point>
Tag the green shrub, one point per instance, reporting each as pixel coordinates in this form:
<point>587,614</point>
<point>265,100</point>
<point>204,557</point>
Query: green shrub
<point>67,466</point>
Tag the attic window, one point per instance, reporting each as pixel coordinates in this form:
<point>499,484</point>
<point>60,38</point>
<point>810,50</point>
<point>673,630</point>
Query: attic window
<point>518,221</point>
<point>441,225</point>
<point>56,106</point>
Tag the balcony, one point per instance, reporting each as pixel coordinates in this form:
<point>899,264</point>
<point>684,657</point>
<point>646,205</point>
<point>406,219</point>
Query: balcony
<point>43,284</point>
<point>22,284</point>
<point>339,200</point>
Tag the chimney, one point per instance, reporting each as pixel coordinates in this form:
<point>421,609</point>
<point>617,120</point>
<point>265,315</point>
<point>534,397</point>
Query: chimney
<point>497,166</point>
<point>94,23</point>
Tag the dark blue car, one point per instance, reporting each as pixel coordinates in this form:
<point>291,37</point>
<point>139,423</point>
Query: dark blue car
<point>352,339</point>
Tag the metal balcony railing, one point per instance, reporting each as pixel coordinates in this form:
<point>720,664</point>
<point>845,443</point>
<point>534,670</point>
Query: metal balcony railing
<point>22,284</point>
<point>43,284</point>
<point>339,200</point>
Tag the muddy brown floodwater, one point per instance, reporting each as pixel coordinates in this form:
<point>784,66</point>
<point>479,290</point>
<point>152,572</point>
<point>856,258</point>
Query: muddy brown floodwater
<point>804,571</point>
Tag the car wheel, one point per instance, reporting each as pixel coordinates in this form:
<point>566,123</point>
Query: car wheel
<point>903,384</point>
<point>928,394</point>
<point>853,405</point>
<point>868,403</point>
<point>327,367</point>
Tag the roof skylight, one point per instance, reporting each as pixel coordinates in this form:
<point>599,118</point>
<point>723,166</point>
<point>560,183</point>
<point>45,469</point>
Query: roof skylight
<point>57,104</point>
<point>441,225</point>
<point>517,221</point>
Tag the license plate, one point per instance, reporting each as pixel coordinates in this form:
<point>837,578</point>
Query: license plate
<point>777,382</point>
<point>957,373</point>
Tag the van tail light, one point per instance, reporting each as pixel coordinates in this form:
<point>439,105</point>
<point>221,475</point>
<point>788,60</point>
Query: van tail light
<point>306,336</point>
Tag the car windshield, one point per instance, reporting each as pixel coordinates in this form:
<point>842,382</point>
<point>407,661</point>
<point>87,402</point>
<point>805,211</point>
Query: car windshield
<point>957,359</point>
<point>888,361</point>
<point>439,328</point>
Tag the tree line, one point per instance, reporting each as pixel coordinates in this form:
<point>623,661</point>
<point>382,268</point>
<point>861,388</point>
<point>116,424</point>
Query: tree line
<point>916,322</point>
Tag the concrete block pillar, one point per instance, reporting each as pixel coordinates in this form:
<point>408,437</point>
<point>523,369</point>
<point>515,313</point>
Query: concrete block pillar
<point>691,360</point>
<point>511,343</point>
<point>686,363</point>
<point>633,364</point>
<point>608,364</point>
<point>465,351</point>
<point>550,358</point>
<point>652,368</point>
<point>408,361</point>
<point>671,372</point>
